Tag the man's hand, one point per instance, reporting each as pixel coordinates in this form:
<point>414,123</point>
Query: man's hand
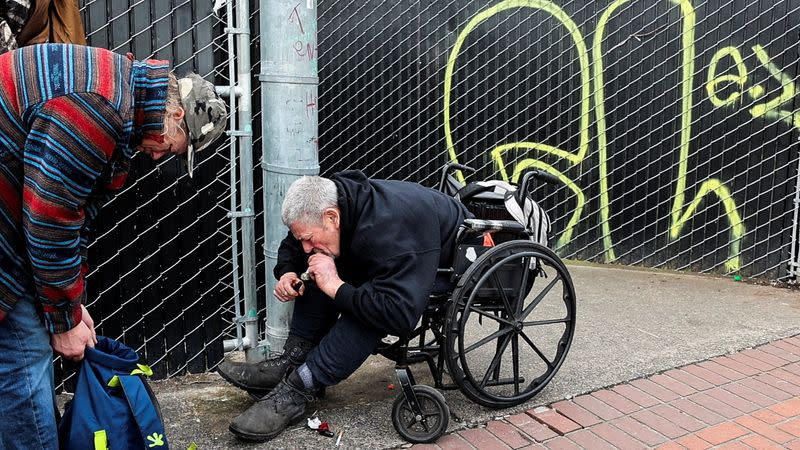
<point>289,287</point>
<point>323,271</point>
<point>87,319</point>
<point>71,344</point>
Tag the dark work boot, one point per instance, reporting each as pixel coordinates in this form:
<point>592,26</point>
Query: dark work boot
<point>285,405</point>
<point>260,378</point>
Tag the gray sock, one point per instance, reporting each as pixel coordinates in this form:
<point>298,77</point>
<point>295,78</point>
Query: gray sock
<point>305,374</point>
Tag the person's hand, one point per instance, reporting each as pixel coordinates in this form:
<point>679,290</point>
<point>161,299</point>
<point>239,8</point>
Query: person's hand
<point>72,343</point>
<point>87,319</point>
<point>289,287</point>
<point>322,270</point>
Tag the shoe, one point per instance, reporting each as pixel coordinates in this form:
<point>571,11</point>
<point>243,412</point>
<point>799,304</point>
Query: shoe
<point>260,378</point>
<point>285,405</point>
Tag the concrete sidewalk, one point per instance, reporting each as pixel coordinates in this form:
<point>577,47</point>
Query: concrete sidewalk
<point>631,324</point>
<point>749,399</point>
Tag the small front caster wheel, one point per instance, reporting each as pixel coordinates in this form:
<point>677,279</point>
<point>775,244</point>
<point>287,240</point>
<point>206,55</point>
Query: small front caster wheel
<point>429,423</point>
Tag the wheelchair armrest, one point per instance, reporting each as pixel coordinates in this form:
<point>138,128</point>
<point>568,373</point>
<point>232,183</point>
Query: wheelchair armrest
<point>493,225</point>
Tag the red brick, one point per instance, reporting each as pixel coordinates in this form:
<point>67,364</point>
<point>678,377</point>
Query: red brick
<point>791,426</point>
<point>772,360</point>
<point>723,409</point>
<point>794,445</point>
<point>734,445</point>
<point>748,359</point>
<point>785,375</point>
<point>784,345</point>
<point>587,439</point>
<point>535,447</point>
<point>659,424</point>
<point>761,443</point>
<point>705,374</point>
<point>555,421</point>
<point>732,399</point>
<point>677,417</point>
<point>736,365</point>
<point>673,385</point>
<point>721,370</point>
<point>561,443</point>
<point>576,413</point>
<point>656,390</point>
<point>635,395</point>
<point>700,413</point>
<point>424,447</point>
<point>616,437</point>
<point>788,408</point>
<point>508,434</point>
<point>770,391</point>
<point>749,394</point>
<point>638,431</point>
<point>764,429</point>
<point>723,432</point>
<point>482,439</point>
<point>531,427</point>
<point>597,407</point>
<point>780,352</point>
<point>768,416</point>
<point>778,383</point>
<point>452,442</point>
<point>671,446</point>
<point>696,383</point>
<point>616,401</point>
<point>692,442</point>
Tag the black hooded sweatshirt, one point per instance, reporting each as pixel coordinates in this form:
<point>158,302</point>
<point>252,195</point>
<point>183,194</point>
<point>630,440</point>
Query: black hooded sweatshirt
<point>393,237</point>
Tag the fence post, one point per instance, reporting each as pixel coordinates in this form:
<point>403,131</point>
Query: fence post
<point>289,85</point>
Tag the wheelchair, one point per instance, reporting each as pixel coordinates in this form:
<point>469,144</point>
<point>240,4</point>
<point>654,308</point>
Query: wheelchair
<point>500,334</point>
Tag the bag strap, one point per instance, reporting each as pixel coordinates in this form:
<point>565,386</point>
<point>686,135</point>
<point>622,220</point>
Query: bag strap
<point>144,411</point>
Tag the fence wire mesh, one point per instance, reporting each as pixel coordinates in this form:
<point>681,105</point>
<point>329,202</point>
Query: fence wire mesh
<point>672,126</point>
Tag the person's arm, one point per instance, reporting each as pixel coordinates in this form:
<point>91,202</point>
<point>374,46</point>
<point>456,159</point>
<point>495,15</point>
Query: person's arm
<point>291,257</point>
<point>394,300</point>
<point>71,138</point>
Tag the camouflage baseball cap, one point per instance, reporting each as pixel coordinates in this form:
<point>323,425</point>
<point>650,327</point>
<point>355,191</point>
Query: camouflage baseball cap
<point>204,114</point>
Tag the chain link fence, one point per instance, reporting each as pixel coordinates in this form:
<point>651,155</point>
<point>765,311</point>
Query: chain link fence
<point>672,126</point>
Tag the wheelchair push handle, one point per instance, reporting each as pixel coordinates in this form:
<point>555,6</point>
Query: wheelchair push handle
<point>450,167</point>
<point>538,175</point>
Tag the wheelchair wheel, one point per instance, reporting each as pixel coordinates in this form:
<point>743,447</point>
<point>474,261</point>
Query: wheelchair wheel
<point>510,324</point>
<point>428,426</point>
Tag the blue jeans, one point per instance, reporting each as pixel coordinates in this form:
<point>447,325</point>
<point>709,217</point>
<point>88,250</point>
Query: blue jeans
<point>26,382</point>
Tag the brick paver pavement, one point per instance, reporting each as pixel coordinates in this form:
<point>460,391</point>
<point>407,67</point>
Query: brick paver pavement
<point>749,399</point>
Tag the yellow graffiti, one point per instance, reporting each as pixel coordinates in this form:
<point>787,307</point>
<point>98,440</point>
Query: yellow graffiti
<point>769,109</point>
<point>583,145</point>
<point>679,216</point>
<point>713,80</point>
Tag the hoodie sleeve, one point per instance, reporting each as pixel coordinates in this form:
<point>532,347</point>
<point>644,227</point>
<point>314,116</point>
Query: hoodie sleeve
<point>393,301</point>
<point>291,257</point>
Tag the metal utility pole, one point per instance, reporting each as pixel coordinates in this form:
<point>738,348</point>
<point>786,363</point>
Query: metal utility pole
<point>289,85</point>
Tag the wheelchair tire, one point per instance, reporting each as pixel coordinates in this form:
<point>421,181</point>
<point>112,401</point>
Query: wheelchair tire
<point>435,411</point>
<point>510,324</point>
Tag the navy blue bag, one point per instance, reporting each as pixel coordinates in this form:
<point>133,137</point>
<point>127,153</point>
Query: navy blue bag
<point>113,407</point>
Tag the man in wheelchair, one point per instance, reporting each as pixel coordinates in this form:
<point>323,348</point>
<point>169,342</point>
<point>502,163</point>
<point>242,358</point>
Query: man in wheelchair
<point>371,249</point>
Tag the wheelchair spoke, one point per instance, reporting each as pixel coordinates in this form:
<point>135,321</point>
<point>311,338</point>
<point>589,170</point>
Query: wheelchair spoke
<point>488,338</point>
<point>536,349</point>
<point>496,360</point>
<point>491,316</point>
<point>502,291</point>
<point>515,361</point>
<point>545,322</point>
<point>523,291</point>
<point>539,298</point>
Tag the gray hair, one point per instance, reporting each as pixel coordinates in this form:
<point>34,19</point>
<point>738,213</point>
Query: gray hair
<point>306,200</point>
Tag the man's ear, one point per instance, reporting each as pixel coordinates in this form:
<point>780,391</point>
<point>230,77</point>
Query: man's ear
<point>332,215</point>
<point>179,113</point>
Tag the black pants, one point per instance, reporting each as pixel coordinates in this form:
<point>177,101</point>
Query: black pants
<point>344,342</point>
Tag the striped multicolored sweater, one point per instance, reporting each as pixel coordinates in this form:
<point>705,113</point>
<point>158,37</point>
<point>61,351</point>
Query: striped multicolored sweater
<point>70,117</point>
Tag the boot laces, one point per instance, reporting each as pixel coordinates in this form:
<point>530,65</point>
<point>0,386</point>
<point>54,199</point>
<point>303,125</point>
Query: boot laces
<point>285,392</point>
